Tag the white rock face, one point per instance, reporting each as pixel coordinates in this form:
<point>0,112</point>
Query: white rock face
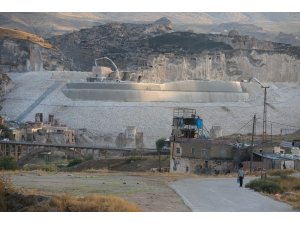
<point>154,119</point>
<point>218,66</point>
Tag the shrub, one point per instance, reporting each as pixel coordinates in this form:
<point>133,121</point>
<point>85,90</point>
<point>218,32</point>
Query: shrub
<point>296,187</point>
<point>8,163</point>
<point>7,132</point>
<point>49,168</point>
<point>5,186</point>
<point>75,162</point>
<point>265,185</point>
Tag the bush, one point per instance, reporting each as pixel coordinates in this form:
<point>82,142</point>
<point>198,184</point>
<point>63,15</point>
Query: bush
<point>75,162</point>
<point>296,187</point>
<point>49,168</point>
<point>5,186</point>
<point>265,185</point>
<point>8,163</point>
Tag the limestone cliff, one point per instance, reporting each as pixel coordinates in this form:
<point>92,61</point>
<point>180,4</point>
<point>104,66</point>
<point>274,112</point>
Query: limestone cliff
<point>21,51</point>
<point>155,53</point>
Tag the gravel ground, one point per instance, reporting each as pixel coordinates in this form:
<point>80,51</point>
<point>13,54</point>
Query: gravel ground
<point>149,191</point>
<point>154,119</point>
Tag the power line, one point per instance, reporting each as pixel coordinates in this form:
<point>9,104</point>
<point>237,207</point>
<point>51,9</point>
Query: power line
<point>287,125</point>
<point>243,126</point>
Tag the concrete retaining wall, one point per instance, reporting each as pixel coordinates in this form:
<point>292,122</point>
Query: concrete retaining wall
<point>182,91</point>
<point>153,96</point>
<point>187,86</point>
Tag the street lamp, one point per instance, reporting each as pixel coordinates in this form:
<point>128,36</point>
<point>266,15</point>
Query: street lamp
<point>265,108</point>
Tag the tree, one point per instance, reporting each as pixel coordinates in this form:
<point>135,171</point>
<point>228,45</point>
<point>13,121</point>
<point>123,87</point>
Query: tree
<point>159,144</point>
<point>8,163</point>
<point>6,132</point>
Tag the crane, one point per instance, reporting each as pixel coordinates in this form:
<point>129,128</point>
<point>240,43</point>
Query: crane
<point>113,64</point>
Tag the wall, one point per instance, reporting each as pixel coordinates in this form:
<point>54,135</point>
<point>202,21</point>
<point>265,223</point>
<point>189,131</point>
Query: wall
<point>184,91</point>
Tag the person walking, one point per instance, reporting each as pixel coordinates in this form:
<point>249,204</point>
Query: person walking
<point>241,174</point>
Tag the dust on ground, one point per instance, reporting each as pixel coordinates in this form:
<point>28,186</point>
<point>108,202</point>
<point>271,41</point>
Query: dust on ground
<point>149,191</point>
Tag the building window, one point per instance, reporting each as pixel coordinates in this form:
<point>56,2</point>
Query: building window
<point>206,164</point>
<point>204,153</point>
<point>178,150</point>
<point>193,151</point>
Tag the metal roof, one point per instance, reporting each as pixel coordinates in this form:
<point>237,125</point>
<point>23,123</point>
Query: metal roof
<point>276,156</point>
<point>286,144</point>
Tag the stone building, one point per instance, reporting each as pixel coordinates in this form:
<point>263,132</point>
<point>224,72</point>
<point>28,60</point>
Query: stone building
<point>45,132</point>
<point>131,138</point>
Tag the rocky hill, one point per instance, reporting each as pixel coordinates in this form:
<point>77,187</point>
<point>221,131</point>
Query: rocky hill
<point>156,53</point>
<point>21,51</point>
<point>262,25</point>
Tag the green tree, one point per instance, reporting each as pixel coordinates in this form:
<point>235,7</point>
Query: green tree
<point>160,143</point>
<point>6,132</point>
<point>8,163</point>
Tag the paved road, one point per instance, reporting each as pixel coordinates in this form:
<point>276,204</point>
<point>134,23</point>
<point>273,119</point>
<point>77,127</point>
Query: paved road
<point>224,195</point>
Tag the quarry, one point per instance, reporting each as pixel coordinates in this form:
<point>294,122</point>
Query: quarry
<point>229,105</point>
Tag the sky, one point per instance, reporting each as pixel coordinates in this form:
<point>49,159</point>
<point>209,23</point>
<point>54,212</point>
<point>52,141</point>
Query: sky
<point>150,6</point>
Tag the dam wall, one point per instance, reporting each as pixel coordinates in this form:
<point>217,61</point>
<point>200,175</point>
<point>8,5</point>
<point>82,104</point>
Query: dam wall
<point>179,91</point>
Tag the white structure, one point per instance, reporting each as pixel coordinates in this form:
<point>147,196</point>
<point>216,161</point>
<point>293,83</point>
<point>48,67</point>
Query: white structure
<point>130,132</point>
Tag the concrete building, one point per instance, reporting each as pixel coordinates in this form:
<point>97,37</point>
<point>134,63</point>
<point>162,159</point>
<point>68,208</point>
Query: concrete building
<point>216,131</point>
<point>39,117</point>
<point>191,148</point>
<point>131,138</point>
<point>70,137</point>
<point>2,121</point>
<point>49,132</point>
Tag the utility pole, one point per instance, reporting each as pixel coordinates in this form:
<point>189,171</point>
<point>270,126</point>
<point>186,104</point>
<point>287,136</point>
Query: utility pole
<point>265,114</point>
<point>252,141</point>
<point>265,109</point>
<point>271,134</point>
<point>159,165</point>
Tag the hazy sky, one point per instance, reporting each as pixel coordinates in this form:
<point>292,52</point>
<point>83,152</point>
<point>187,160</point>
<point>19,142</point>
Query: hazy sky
<point>150,6</point>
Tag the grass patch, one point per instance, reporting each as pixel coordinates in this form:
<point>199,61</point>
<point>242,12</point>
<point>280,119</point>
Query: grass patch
<point>5,186</point>
<point>293,199</point>
<point>12,200</point>
<point>48,167</point>
<point>92,203</point>
<point>281,173</point>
